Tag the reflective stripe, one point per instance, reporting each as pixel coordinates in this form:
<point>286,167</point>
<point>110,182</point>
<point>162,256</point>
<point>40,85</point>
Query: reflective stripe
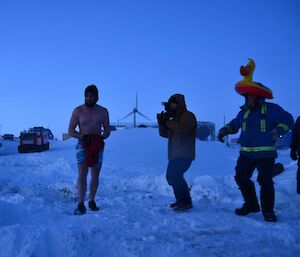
<point>258,149</point>
<point>264,109</point>
<point>285,127</point>
<point>263,127</point>
<point>244,127</point>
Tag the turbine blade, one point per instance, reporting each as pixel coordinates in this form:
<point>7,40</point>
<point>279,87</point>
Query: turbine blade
<point>136,100</point>
<point>144,116</point>
<point>127,116</point>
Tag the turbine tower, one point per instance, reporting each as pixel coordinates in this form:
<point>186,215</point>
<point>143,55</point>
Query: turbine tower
<point>134,112</point>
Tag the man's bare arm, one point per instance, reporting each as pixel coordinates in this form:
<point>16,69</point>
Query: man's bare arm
<point>73,124</point>
<point>106,126</point>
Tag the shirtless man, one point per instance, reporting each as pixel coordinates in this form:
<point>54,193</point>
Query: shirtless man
<point>90,118</point>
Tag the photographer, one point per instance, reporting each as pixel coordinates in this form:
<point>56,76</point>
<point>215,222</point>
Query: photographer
<point>179,126</point>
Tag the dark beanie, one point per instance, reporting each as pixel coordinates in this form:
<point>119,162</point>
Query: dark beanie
<point>91,89</point>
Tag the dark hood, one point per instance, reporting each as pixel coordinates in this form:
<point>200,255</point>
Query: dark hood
<point>181,102</point>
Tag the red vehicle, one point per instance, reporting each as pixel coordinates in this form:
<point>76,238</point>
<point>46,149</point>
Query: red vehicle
<point>34,140</point>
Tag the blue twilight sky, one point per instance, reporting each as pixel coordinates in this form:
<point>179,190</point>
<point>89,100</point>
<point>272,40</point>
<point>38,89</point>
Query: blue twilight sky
<point>51,50</point>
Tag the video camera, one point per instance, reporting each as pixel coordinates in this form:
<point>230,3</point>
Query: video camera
<point>165,115</point>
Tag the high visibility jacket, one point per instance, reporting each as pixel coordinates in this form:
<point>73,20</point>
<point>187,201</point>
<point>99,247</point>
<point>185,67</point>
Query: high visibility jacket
<point>258,127</point>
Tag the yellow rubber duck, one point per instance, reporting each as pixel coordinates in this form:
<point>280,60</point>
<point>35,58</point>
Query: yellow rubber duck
<point>248,87</point>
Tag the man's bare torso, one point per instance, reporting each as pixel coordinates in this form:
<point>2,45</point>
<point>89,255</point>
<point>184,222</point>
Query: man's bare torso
<point>90,120</point>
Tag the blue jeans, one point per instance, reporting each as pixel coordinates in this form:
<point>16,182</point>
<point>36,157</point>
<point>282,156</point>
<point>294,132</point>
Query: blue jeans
<point>175,178</point>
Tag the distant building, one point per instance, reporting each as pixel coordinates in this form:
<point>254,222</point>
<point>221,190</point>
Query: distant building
<point>206,131</point>
<point>9,137</point>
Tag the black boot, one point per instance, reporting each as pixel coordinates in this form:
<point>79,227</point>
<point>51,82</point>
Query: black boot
<point>80,210</point>
<point>251,203</point>
<point>270,216</point>
<point>93,206</point>
<point>172,205</point>
<point>183,197</point>
<point>182,206</point>
<point>245,210</point>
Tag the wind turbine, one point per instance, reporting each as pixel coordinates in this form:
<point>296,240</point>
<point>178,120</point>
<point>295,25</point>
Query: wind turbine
<point>135,111</point>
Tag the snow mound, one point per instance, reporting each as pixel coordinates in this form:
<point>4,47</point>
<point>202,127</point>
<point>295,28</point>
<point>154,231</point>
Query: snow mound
<point>38,195</point>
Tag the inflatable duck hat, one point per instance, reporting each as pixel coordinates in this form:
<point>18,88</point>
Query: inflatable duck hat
<point>249,87</point>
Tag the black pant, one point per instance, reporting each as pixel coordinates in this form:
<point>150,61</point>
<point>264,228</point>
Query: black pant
<point>298,177</point>
<point>244,170</point>
<point>175,172</point>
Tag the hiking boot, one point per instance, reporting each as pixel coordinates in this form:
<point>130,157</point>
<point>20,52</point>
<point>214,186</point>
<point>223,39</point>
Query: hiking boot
<point>172,205</point>
<point>93,206</point>
<point>270,216</point>
<point>182,206</point>
<point>80,209</point>
<point>245,210</point>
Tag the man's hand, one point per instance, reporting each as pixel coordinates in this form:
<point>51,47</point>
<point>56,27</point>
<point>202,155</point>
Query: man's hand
<point>223,132</point>
<point>87,139</point>
<point>294,155</point>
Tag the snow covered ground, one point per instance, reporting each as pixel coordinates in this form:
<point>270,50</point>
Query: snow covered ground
<point>38,196</point>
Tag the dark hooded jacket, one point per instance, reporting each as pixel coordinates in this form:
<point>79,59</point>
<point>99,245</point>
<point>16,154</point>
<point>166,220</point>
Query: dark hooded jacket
<point>181,132</point>
<point>295,144</point>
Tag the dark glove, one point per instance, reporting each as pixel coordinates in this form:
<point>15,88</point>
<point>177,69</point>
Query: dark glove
<point>163,117</point>
<point>223,132</point>
<point>275,135</point>
<point>294,155</point>
<point>87,139</point>
<point>160,119</point>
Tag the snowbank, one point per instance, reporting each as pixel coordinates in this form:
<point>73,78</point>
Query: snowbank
<point>38,195</point>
